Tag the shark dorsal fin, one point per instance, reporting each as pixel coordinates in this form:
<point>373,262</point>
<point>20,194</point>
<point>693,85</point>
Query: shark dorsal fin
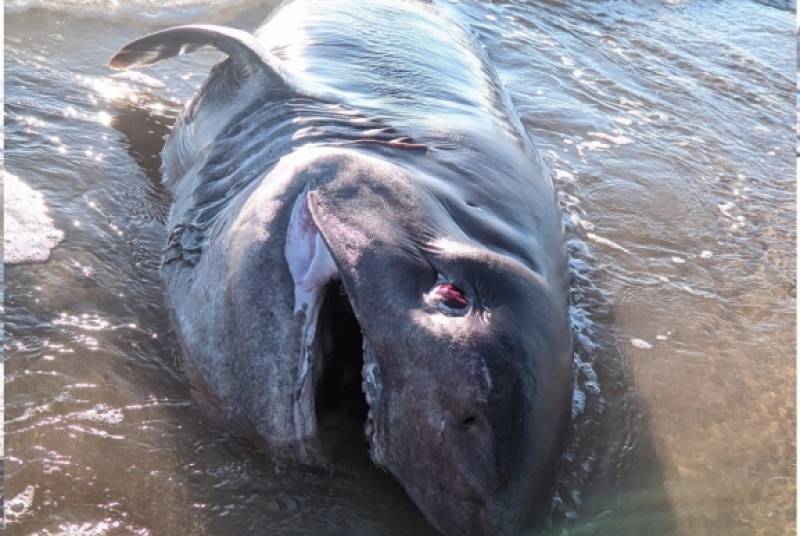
<point>241,47</point>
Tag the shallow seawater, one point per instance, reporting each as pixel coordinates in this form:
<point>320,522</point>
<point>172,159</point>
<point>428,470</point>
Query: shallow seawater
<point>669,129</point>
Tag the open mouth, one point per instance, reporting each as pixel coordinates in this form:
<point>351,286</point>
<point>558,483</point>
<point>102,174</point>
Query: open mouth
<point>338,381</point>
<point>343,414</point>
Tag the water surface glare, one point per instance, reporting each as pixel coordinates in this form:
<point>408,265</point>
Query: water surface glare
<point>669,129</point>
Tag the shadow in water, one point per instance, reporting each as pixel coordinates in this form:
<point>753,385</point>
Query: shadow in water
<point>613,463</point>
<point>145,132</point>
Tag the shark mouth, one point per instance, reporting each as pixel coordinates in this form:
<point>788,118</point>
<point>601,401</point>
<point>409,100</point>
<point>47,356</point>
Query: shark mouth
<point>338,381</point>
<point>342,391</point>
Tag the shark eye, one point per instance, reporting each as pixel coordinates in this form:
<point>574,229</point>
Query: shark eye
<point>449,297</point>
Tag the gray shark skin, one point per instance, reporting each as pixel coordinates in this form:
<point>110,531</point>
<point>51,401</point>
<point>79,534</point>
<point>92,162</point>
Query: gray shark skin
<point>362,232</point>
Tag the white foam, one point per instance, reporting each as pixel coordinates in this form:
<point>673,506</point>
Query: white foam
<point>20,504</point>
<point>591,146</point>
<point>29,232</point>
<point>619,139</point>
<point>578,400</point>
<point>584,377</point>
<point>91,528</point>
<point>101,413</point>
<point>726,208</point>
<point>583,224</point>
<point>641,343</point>
<point>607,242</point>
<point>562,175</point>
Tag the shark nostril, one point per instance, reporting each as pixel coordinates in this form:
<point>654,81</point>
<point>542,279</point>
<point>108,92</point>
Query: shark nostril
<point>469,421</point>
